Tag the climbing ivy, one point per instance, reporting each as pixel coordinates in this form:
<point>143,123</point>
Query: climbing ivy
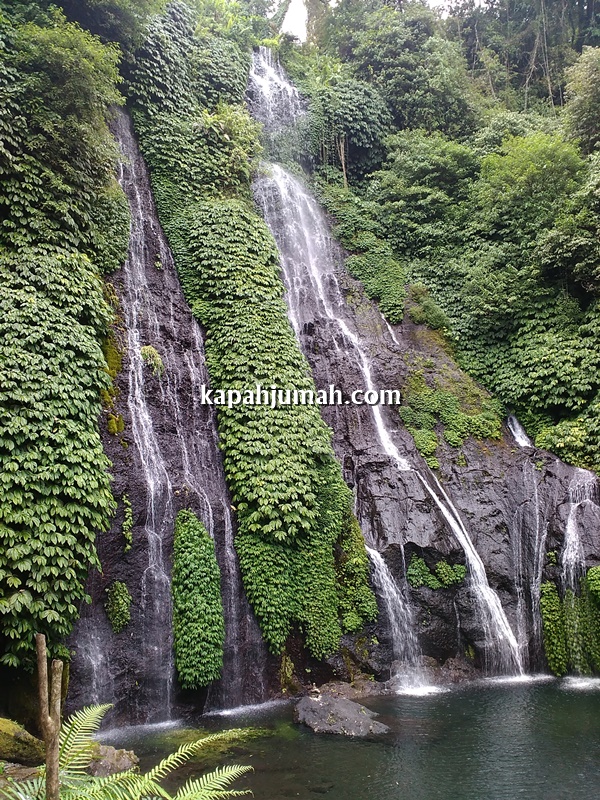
<point>572,626</point>
<point>118,606</point>
<point>198,624</point>
<point>553,623</point>
<point>53,479</point>
<point>63,220</point>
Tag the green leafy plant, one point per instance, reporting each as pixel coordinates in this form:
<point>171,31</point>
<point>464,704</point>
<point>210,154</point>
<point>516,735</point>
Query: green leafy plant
<point>553,622</point>
<point>446,575</point>
<point>118,606</point>
<point>77,749</point>
<point>151,357</point>
<point>198,624</point>
<point>127,526</point>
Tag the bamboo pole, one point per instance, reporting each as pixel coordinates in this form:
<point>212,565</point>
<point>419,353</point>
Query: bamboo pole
<point>49,713</point>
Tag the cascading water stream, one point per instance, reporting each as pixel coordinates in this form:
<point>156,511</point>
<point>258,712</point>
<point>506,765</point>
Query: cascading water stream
<point>310,260</point>
<point>172,462</point>
<point>518,432</point>
<point>583,489</point>
<point>405,645</point>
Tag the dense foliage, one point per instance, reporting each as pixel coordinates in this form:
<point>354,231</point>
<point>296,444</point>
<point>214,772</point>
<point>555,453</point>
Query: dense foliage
<point>302,562</point>
<point>571,626</point>
<point>443,576</point>
<point>118,606</point>
<point>198,624</point>
<point>63,221</point>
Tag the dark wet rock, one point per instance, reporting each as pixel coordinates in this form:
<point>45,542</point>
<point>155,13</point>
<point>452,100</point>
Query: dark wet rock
<point>327,714</point>
<point>15,772</point>
<point>362,686</point>
<point>458,670</point>
<point>108,761</point>
<point>19,746</point>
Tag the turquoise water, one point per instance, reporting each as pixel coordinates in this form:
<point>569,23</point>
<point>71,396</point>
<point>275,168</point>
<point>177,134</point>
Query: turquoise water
<point>488,741</point>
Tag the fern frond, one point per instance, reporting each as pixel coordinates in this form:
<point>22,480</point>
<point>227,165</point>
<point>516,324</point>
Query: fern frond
<point>186,751</point>
<point>34,789</point>
<point>76,742</point>
<point>213,785</point>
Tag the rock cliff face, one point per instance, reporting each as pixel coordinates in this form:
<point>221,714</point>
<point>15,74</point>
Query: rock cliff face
<point>511,502</point>
<point>165,458</point>
<point>514,501</point>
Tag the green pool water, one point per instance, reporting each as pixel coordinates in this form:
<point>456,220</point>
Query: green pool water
<point>488,741</point>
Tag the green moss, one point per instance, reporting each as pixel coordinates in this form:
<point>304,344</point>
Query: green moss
<point>115,424</point>
<point>553,623</point>
<point>458,410</point>
<point>19,746</point>
<point>118,606</point>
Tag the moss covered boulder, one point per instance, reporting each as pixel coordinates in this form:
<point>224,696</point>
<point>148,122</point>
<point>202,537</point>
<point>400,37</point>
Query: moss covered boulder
<point>19,746</point>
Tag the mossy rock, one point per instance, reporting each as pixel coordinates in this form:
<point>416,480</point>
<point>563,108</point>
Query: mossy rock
<point>19,746</point>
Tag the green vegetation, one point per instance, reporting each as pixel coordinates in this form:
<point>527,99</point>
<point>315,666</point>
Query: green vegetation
<point>301,560</point>
<point>64,220</point>
<point>198,624</point>
<point>479,198</point>
<point>446,575</point>
<point>118,606</point>
<point>151,357</point>
<point>554,629</point>
<point>77,751</point>
<point>572,627</point>
<point>460,412</point>
<point>127,526</point>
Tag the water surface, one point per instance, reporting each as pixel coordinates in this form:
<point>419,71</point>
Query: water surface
<point>490,741</point>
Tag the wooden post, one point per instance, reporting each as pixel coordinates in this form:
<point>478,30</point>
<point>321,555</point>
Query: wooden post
<point>49,713</point>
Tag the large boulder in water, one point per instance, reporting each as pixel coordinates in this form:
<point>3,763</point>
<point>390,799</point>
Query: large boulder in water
<point>327,714</point>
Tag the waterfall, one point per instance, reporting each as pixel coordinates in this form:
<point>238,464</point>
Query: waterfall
<point>172,462</point>
<point>310,260</point>
<point>405,645</point>
<point>583,489</point>
<point>518,432</point>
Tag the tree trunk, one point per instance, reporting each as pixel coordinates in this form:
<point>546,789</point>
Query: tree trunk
<point>49,714</point>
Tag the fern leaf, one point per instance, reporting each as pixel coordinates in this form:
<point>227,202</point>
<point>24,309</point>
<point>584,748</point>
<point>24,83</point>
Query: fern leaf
<point>186,751</point>
<point>213,785</point>
<point>76,742</point>
<point>34,789</point>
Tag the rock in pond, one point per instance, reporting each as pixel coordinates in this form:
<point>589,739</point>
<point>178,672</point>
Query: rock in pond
<point>327,714</point>
<point>108,761</point>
